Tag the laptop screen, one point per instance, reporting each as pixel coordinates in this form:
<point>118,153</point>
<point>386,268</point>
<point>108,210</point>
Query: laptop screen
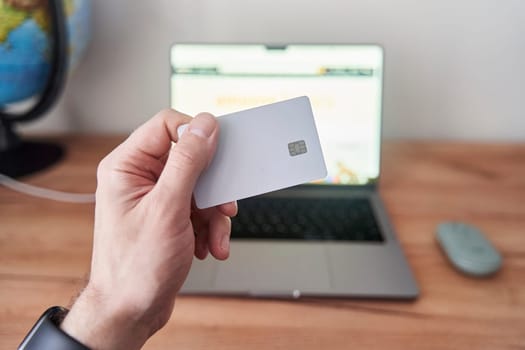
<point>343,82</point>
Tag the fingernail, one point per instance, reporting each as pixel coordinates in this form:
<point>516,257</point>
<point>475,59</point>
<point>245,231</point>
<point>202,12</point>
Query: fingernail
<point>202,125</point>
<point>225,243</point>
<point>181,129</point>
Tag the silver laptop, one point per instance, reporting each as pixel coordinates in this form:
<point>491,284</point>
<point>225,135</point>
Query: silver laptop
<point>329,238</point>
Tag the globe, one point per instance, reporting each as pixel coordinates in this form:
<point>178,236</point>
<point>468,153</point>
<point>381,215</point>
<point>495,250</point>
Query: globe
<point>40,41</point>
<point>25,44</point>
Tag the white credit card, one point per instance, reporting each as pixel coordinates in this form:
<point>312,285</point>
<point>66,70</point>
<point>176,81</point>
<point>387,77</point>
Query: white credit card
<point>260,150</point>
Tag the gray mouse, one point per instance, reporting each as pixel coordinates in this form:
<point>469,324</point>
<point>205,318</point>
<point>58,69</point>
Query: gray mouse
<point>468,249</point>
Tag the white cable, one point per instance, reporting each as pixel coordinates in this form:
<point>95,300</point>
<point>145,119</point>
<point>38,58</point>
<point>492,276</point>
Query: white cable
<point>45,192</point>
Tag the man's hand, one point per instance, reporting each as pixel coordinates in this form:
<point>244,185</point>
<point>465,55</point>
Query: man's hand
<point>147,230</point>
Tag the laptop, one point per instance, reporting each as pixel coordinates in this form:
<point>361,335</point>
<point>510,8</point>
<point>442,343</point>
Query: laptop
<point>330,238</point>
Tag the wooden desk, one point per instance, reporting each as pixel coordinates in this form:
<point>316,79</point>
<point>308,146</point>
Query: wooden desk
<point>45,249</point>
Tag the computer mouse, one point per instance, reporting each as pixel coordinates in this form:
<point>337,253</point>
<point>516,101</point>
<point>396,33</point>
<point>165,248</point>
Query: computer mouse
<point>468,249</point>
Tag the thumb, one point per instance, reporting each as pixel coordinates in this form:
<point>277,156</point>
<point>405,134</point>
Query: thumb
<point>187,159</point>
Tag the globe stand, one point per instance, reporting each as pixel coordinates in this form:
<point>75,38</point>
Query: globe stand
<point>19,158</point>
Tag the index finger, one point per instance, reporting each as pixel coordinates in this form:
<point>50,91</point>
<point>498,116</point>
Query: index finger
<point>154,137</point>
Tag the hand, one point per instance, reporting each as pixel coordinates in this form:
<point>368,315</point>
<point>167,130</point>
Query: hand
<point>145,227</point>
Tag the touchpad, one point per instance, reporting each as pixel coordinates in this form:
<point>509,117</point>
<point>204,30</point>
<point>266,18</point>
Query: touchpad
<point>274,268</point>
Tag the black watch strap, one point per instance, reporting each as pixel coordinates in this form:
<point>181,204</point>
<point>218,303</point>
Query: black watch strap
<point>46,333</point>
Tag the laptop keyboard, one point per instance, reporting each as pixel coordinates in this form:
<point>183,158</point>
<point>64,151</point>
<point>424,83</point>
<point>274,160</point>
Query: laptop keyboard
<point>344,219</point>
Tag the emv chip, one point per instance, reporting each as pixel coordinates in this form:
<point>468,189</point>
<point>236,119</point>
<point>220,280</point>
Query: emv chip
<point>297,147</point>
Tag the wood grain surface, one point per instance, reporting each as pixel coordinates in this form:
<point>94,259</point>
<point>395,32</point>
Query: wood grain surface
<point>45,249</point>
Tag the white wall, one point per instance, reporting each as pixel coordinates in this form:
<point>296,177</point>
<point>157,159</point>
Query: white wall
<point>454,69</point>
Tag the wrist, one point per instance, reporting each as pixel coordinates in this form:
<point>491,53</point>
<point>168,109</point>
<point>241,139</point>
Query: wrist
<point>102,323</point>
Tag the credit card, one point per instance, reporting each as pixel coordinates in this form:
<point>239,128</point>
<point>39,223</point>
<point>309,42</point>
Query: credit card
<point>261,150</point>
